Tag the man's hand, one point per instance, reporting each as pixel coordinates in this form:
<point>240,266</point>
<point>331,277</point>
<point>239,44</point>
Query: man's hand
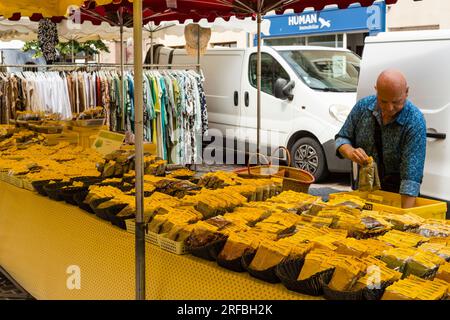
<point>357,155</point>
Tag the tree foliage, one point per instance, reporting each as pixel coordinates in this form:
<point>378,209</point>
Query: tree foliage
<point>74,47</point>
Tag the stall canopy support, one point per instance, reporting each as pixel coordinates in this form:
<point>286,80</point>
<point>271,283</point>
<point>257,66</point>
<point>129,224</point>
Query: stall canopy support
<point>139,157</point>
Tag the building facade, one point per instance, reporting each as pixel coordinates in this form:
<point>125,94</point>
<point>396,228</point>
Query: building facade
<point>331,27</point>
<point>418,15</point>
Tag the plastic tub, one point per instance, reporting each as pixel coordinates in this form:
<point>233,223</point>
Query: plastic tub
<point>391,202</point>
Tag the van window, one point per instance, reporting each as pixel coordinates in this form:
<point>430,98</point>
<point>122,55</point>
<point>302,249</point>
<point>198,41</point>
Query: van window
<point>325,70</point>
<point>271,70</point>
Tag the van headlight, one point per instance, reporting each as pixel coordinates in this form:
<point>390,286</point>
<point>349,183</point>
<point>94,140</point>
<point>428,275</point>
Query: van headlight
<point>340,112</point>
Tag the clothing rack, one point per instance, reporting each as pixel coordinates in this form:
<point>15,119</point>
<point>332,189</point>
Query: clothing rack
<point>95,67</point>
<point>102,65</point>
<point>199,113</point>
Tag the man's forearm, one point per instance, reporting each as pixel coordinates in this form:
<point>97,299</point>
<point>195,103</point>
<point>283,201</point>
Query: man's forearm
<point>408,201</point>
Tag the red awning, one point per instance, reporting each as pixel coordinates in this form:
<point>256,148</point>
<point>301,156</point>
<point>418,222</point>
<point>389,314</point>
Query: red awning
<point>121,13</point>
<point>182,10</point>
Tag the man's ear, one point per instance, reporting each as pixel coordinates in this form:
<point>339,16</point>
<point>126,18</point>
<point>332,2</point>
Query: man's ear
<point>375,87</point>
<point>407,92</point>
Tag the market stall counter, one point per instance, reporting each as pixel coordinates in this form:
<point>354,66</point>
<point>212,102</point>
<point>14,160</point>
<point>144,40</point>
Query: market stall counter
<point>58,251</point>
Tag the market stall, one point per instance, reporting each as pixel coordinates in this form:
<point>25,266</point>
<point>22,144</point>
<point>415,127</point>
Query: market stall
<point>227,231</point>
<point>234,235</point>
<point>41,239</point>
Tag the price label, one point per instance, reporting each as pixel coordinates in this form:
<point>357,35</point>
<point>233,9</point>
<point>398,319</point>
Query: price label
<point>107,142</point>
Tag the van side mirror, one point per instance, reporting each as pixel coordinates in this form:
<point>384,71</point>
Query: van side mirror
<point>283,89</point>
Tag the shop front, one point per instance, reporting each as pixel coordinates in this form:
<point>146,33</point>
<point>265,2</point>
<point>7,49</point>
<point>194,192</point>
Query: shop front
<point>336,28</point>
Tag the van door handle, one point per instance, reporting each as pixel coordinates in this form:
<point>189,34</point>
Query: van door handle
<point>247,98</point>
<point>436,135</point>
<point>236,99</point>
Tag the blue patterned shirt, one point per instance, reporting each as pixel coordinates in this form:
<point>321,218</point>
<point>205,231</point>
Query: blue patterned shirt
<point>404,140</point>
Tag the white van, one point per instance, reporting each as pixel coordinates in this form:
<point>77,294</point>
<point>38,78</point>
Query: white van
<point>424,58</point>
<point>302,112</point>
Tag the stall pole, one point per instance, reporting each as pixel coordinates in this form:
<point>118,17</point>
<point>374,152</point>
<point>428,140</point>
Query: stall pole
<point>198,47</point>
<point>139,157</point>
<point>198,71</point>
<point>151,44</point>
<point>122,75</point>
<point>258,81</point>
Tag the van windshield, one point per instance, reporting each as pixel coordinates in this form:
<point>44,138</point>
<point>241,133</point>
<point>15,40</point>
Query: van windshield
<point>325,70</point>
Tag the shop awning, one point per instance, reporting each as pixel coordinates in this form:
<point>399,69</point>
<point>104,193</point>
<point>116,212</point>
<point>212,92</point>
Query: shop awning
<point>120,12</point>
<point>36,10</point>
<point>25,30</point>
<point>212,9</point>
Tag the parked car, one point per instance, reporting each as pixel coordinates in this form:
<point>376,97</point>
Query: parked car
<point>307,93</point>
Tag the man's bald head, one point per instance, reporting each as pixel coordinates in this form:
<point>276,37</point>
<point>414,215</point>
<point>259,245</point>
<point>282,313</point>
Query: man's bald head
<point>392,79</point>
<point>392,92</point>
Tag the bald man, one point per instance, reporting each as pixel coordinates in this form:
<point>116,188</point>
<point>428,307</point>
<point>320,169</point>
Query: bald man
<point>392,130</point>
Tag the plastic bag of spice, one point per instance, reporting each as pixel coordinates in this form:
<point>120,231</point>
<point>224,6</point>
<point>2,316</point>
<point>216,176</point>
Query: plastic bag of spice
<point>369,179</point>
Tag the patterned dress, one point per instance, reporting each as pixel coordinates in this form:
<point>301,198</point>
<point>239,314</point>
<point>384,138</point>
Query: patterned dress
<point>48,39</point>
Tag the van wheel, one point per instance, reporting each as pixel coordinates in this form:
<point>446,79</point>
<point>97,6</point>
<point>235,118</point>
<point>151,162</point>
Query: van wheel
<point>307,154</point>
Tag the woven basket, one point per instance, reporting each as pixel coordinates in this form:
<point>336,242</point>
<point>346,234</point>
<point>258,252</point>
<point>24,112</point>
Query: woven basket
<point>235,264</point>
<point>39,185</point>
<point>289,270</point>
<point>209,251</point>
<point>330,294</point>
<point>293,179</point>
<point>54,190</point>
<point>69,193</point>
<point>79,199</point>
<point>87,180</point>
<point>376,294</point>
<point>268,275</point>
<point>120,221</point>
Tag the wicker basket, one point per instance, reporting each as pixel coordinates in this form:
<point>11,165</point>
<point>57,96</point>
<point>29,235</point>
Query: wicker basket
<point>79,199</point>
<point>289,270</point>
<point>69,193</point>
<point>209,251</point>
<point>39,185</point>
<point>236,265</point>
<point>330,294</point>
<point>268,275</point>
<point>376,293</point>
<point>54,190</point>
<point>293,179</point>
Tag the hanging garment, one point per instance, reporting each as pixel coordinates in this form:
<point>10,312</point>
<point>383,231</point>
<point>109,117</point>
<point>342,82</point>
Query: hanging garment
<point>48,39</point>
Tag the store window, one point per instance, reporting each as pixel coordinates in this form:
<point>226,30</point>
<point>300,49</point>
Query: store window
<point>177,47</point>
<point>331,41</point>
<point>295,41</point>
<point>232,44</point>
<point>271,70</point>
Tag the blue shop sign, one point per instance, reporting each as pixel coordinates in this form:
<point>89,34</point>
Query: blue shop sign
<point>355,18</point>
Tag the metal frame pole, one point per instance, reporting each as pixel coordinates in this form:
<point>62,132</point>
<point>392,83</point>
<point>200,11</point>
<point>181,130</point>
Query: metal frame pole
<point>198,47</point>
<point>151,43</point>
<point>258,81</point>
<point>139,157</point>
<point>101,65</point>
<point>122,79</point>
